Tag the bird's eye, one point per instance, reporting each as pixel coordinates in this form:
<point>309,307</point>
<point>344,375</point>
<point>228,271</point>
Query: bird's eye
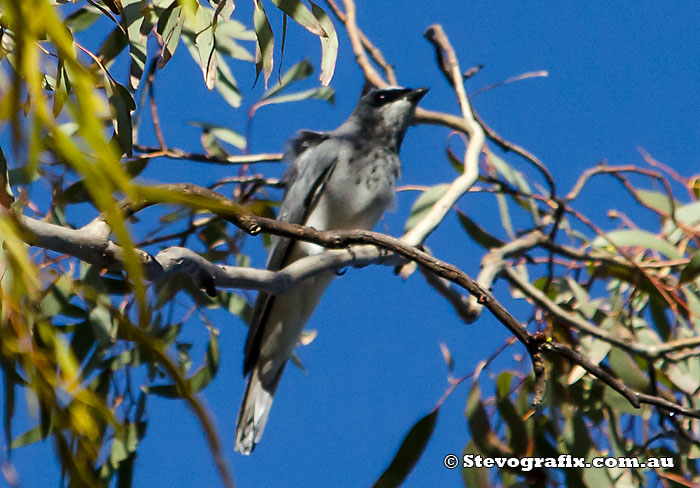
<point>379,99</point>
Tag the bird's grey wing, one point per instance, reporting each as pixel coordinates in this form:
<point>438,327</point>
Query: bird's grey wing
<point>311,168</point>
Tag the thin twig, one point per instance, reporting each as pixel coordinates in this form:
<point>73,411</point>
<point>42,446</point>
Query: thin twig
<point>371,74</point>
<point>373,50</point>
<point>174,153</point>
<point>151,88</point>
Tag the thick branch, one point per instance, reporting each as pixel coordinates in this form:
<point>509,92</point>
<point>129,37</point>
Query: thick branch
<point>67,240</point>
<point>461,185</point>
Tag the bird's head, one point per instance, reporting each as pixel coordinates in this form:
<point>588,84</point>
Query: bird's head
<point>386,113</point>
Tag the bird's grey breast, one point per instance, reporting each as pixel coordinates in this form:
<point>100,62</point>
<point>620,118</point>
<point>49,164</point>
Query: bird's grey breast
<point>361,188</point>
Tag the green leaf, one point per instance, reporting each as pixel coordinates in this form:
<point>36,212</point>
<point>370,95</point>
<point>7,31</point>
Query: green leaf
<point>691,270</point>
<point>61,89</point>
<point>594,350</point>
<point>6,196</point>
<point>518,438</point>
<point>655,199</point>
<point>480,236</point>
<point>685,375</point>
<point>228,47</point>
<point>455,162</point>
<point>112,46</point>
<point>688,214</point>
<point>475,476</point>
<point>124,443</point>
<point>135,166</point>
<point>410,451</point>
<point>83,18</point>
<point>205,41</point>
<point>212,146</point>
<point>483,435</point>
<point>300,71</point>
<point>132,18</point>
<point>301,14</point>
<point>235,304</point>
<point>265,45</point>
<point>201,378</point>
<point>102,325</point>
<point>169,27</point>
<point>329,44</point>
<point>424,203</point>
<point>57,300</point>
<point>222,133</point>
<point>325,93</point>
<point>576,436</point>
<point>504,212</point>
<point>234,30</point>
<point>121,104</point>
<point>8,379</point>
<point>114,5</point>
<point>627,370</point>
<point>226,84</point>
<point>36,434</point>
<point>617,402</point>
<point>224,8</point>
<point>637,238</point>
<point>516,179</point>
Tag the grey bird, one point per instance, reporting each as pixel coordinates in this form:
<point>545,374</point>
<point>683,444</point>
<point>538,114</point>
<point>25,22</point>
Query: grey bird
<point>342,179</point>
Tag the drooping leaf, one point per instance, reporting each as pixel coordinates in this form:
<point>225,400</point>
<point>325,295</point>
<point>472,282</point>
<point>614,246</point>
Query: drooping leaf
<point>517,434</point>
<point>265,45</point>
<point>224,8</point>
<point>299,71</point>
<point>6,196</point>
<point>227,46</point>
<point>688,214</point>
<point>594,350</point>
<point>409,453</point>
<point>516,179</point>
<point>61,89</point>
<point>223,133</point>
<point>226,84</point>
<point>504,213</point>
<point>301,14</point>
<point>637,238</point>
<point>691,271</point>
<point>33,435</point>
<point>424,203</point>
<point>486,440</point>
<point>169,27</point>
<point>121,104</point>
<point>201,378</point>
<point>205,40</point>
<point>325,93</point>
<point>115,6</point>
<point>655,199</point>
<point>234,30</point>
<point>8,380</point>
<point>235,304</point>
<point>474,476</point>
<point>455,162</point>
<point>83,18</point>
<point>112,46</point>
<point>329,44</point>
<point>132,18</point>
<point>479,235</point>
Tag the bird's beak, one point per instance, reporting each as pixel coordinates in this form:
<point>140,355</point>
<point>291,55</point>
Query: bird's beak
<point>416,95</point>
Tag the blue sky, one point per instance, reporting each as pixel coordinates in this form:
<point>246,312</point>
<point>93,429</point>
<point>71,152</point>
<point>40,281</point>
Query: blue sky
<point>621,75</point>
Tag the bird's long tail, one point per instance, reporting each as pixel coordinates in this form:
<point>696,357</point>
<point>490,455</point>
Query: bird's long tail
<point>254,411</point>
